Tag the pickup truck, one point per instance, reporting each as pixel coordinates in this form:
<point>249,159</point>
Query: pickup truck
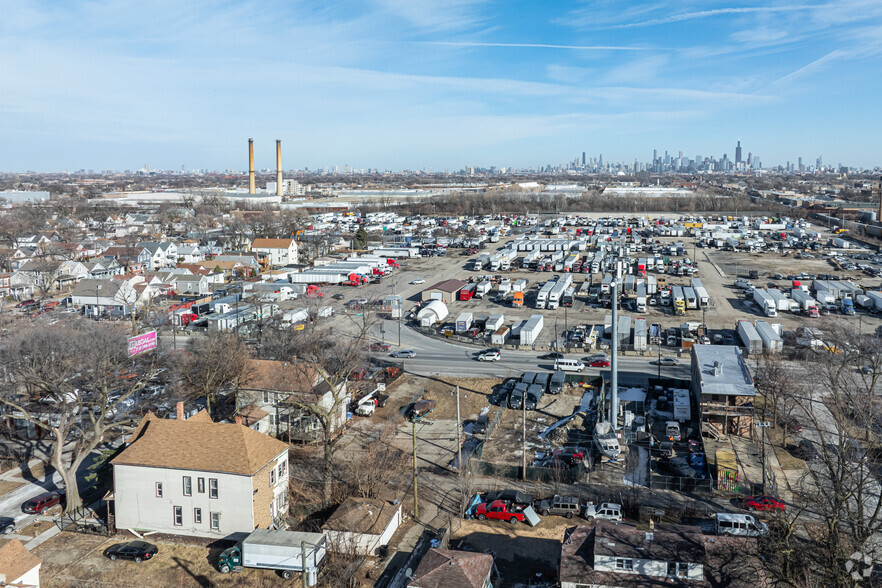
<point>501,511</point>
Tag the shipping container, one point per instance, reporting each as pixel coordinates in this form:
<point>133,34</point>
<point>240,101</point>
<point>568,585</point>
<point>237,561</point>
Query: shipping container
<point>640,335</point>
<point>464,322</point>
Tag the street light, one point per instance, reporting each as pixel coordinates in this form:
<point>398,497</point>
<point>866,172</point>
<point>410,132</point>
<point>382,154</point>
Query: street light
<point>97,290</point>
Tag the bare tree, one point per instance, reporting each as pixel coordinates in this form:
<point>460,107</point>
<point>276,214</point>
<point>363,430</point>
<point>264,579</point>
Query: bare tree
<point>212,362</point>
<point>70,381</point>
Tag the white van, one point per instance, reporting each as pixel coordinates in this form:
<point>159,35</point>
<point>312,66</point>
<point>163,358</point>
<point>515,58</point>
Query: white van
<point>569,365</point>
<point>739,524</point>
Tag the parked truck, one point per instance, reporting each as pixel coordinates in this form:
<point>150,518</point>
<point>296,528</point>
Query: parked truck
<point>766,302</point>
<point>285,551</point>
<point>749,337</point>
<point>847,306</point>
<point>808,304</point>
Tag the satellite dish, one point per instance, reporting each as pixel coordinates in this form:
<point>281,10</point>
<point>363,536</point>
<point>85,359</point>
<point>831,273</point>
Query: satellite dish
<point>408,573</point>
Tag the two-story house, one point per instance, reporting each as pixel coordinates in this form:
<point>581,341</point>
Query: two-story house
<point>197,477</point>
<point>285,392</point>
<point>277,252</point>
<point>723,388</point>
<point>133,258</point>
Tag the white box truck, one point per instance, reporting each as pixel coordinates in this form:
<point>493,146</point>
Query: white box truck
<point>285,551</point>
<point>531,329</point>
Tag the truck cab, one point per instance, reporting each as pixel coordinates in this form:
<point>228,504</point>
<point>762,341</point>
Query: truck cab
<point>230,560</point>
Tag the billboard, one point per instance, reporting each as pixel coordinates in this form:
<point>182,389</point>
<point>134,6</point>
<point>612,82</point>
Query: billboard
<point>141,343</point>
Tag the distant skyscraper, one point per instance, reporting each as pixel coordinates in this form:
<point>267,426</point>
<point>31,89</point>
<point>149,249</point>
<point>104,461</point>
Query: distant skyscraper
<point>738,153</point>
<point>583,159</point>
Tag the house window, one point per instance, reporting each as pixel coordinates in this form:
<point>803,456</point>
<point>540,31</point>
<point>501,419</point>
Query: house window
<point>678,569</point>
<point>197,516</point>
<point>215,521</point>
<point>200,485</point>
<point>265,396</point>
<point>212,487</point>
<point>273,509</point>
<point>283,469</point>
<point>159,489</point>
<point>280,502</point>
<point>179,516</point>
<point>188,486</point>
<point>626,564</point>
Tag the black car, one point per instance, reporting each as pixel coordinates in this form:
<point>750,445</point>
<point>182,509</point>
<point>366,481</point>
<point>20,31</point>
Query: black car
<point>807,451</point>
<point>338,297</point>
<point>134,550</point>
<point>552,355</point>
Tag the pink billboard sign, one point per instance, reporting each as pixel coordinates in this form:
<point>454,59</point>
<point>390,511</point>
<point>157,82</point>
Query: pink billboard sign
<point>142,343</point>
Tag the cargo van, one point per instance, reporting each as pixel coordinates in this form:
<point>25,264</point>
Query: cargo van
<point>542,379</point>
<point>569,365</point>
<point>558,379</point>
<point>740,525</point>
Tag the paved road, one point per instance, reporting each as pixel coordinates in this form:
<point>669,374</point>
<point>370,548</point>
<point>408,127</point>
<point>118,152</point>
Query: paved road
<point>435,356</point>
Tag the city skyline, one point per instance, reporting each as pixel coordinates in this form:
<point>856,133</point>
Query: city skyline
<point>395,84</point>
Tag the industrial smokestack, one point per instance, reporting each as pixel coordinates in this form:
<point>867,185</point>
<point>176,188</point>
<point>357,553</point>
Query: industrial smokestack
<point>251,166</point>
<point>278,167</point>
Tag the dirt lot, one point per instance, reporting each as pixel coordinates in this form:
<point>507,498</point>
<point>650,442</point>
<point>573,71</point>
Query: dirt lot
<point>473,394</point>
<point>520,551</point>
<point>6,486</point>
<point>71,559</point>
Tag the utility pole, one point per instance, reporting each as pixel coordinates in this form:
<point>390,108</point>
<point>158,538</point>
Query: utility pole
<point>303,564</point>
<point>524,433</point>
<point>458,432</point>
<point>614,359</point>
<point>416,504</point>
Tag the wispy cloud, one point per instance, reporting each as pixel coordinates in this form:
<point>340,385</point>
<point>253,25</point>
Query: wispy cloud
<point>536,46</point>
<point>811,68</point>
<point>431,15</point>
<point>712,13</point>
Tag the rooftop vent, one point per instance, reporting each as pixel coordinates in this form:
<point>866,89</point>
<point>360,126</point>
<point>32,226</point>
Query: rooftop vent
<point>718,368</point>
<point>650,536</point>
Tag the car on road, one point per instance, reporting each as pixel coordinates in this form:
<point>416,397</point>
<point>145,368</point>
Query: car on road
<point>501,511</point>
<point>338,297</point>
<point>404,354</point>
<point>38,504</point>
<point>7,525</point>
<point>490,356</point>
<point>379,347</point>
<point>667,361</point>
<point>867,370</point>
<point>552,355</point>
<point>597,361</point>
<point>764,503</point>
<point>418,281</point>
<point>136,551</point>
<point>807,451</point>
<point>567,506</point>
<point>609,511</point>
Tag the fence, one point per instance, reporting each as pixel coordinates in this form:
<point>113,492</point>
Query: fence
<point>79,523</point>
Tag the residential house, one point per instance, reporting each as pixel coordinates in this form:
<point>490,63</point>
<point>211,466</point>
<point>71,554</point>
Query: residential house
<point>247,260</point>
<point>362,525</point>
<point>200,478</point>
<point>608,554</point>
<point>133,258</point>
<point>190,254</point>
<point>276,252</point>
<point>449,568</point>
<point>194,285</point>
<point>49,275</point>
<point>5,285</point>
<point>102,269</point>
<point>21,286</point>
<point>19,568</point>
<point>104,297</point>
<point>723,388</point>
<point>285,390</point>
<point>162,254</point>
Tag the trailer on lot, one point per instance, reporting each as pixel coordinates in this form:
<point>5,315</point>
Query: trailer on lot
<point>531,329</point>
<point>749,337</point>
<point>772,341</point>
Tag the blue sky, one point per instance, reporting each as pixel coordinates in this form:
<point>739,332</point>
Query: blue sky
<point>398,84</point>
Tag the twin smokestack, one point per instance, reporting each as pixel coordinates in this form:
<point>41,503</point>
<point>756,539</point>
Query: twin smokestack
<point>251,182</point>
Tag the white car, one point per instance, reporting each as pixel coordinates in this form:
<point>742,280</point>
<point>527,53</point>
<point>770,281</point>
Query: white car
<point>608,510</point>
<point>419,281</point>
<point>490,356</point>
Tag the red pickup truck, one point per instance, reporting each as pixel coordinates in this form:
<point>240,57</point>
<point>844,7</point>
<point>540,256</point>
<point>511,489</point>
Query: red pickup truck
<point>499,510</point>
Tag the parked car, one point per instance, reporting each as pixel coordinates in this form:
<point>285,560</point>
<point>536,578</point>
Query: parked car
<point>807,451</point>
<point>499,510</point>
<point>609,511</point>
<point>338,297</point>
<point>38,504</point>
<point>567,506</point>
<point>680,466</point>
<point>7,525</point>
<point>26,303</point>
<point>666,449</point>
<point>490,356</point>
<point>575,454</point>
<point>137,551</point>
<point>766,503</point>
<point>418,281</point>
<point>379,347</point>
<point>404,354</point>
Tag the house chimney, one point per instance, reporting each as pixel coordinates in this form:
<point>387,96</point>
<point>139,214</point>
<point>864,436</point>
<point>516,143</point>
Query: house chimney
<point>251,166</point>
<point>180,411</point>
<point>278,167</point>
<point>238,419</point>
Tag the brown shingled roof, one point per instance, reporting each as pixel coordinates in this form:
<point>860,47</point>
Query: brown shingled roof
<point>199,444</point>
<point>16,560</point>
<point>446,568</point>
<point>272,243</point>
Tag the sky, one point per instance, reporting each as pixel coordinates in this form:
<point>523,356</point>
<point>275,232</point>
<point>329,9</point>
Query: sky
<point>436,84</point>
